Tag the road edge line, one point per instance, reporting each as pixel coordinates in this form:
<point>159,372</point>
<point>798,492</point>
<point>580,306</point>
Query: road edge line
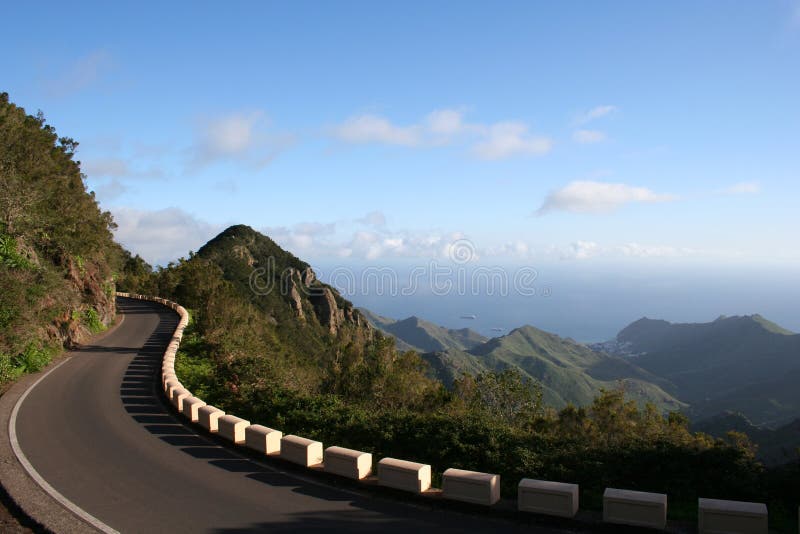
<point>23,460</point>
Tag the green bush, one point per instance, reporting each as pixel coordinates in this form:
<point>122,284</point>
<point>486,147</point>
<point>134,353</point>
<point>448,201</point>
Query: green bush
<point>9,255</point>
<point>7,369</point>
<point>33,359</point>
<point>92,321</point>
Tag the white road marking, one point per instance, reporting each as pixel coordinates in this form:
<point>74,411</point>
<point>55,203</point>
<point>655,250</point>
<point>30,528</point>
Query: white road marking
<point>66,503</point>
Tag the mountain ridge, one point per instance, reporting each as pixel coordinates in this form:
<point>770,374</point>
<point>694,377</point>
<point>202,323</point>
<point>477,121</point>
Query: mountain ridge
<point>739,362</point>
<point>415,333</point>
<point>569,372</point>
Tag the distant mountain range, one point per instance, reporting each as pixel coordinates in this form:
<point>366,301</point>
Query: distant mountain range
<point>734,373</point>
<point>568,371</point>
<point>417,334</point>
<point>745,364</point>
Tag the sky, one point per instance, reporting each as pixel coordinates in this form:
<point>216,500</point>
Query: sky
<point>567,136</point>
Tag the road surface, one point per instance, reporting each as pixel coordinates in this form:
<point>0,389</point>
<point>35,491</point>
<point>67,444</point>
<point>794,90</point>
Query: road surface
<point>97,430</point>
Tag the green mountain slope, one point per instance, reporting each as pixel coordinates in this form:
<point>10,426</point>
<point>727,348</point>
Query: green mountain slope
<point>278,282</point>
<point>57,255</point>
<point>734,363</point>
<point>568,371</point>
<point>417,334</point>
<point>775,447</point>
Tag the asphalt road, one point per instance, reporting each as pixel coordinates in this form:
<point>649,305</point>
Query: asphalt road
<point>96,429</point>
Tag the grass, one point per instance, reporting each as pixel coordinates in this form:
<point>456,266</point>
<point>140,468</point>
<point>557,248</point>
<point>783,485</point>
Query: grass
<point>32,360</point>
<point>92,321</point>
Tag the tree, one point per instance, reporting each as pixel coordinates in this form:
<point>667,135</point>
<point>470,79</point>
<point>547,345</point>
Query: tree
<point>505,395</point>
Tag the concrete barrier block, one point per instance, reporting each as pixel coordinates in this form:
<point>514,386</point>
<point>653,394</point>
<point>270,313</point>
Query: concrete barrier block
<point>301,451</point>
<point>178,395</point>
<point>732,517</point>
<point>232,428</point>
<point>348,462</point>
<point>208,417</point>
<point>262,439</point>
<point>190,407</point>
<point>171,385</point>
<point>166,376</point>
<point>637,508</point>
<point>471,486</point>
<point>546,497</point>
<point>404,475</point>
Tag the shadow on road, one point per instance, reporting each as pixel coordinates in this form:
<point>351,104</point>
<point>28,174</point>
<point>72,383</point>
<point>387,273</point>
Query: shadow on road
<point>144,401</point>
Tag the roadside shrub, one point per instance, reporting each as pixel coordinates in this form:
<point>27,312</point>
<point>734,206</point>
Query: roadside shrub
<point>33,359</point>
<point>6,368</point>
<point>9,256</point>
<point>92,321</point>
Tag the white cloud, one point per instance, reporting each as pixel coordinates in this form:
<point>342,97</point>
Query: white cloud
<point>232,134</point>
<point>110,190</point>
<point>588,136</point>
<point>742,188</point>
<point>580,250</point>
<point>489,141</point>
<point>239,137</point>
<point>330,240</point>
<point>373,218</point>
<point>584,250</point>
<point>512,249</point>
<point>84,72</point>
<point>376,129</point>
<point>598,197</point>
<point>637,250</point>
<point>445,122</point>
<point>161,236</point>
<point>595,113</point>
<point>506,139</point>
<point>114,167</point>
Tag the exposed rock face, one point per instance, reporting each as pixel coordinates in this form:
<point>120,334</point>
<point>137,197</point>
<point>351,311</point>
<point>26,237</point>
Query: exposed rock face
<point>296,289</point>
<point>297,284</point>
<point>97,293</point>
<point>289,282</point>
<point>241,251</point>
<point>331,314</point>
<point>308,276</point>
<point>326,309</point>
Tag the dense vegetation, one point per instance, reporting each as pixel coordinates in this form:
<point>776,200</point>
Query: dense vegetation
<point>746,364</point>
<point>568,372</point>
<point>57,254</point>
<point>258,356</point>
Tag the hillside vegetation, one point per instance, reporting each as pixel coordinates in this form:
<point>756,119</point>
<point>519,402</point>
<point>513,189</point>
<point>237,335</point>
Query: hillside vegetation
<point>276,346</point>
<point>567,372</point>
<point>744,364</point>
<point>775,446</point>
<point>57,254</point>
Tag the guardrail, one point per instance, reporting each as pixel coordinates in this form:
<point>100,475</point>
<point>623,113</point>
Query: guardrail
<point>534,496</point>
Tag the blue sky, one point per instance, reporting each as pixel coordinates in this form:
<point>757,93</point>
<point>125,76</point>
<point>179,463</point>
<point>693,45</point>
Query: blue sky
<point>620,132</point>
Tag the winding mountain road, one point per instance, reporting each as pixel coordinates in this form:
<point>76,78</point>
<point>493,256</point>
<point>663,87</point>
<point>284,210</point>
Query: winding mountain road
<point>97,430</point>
